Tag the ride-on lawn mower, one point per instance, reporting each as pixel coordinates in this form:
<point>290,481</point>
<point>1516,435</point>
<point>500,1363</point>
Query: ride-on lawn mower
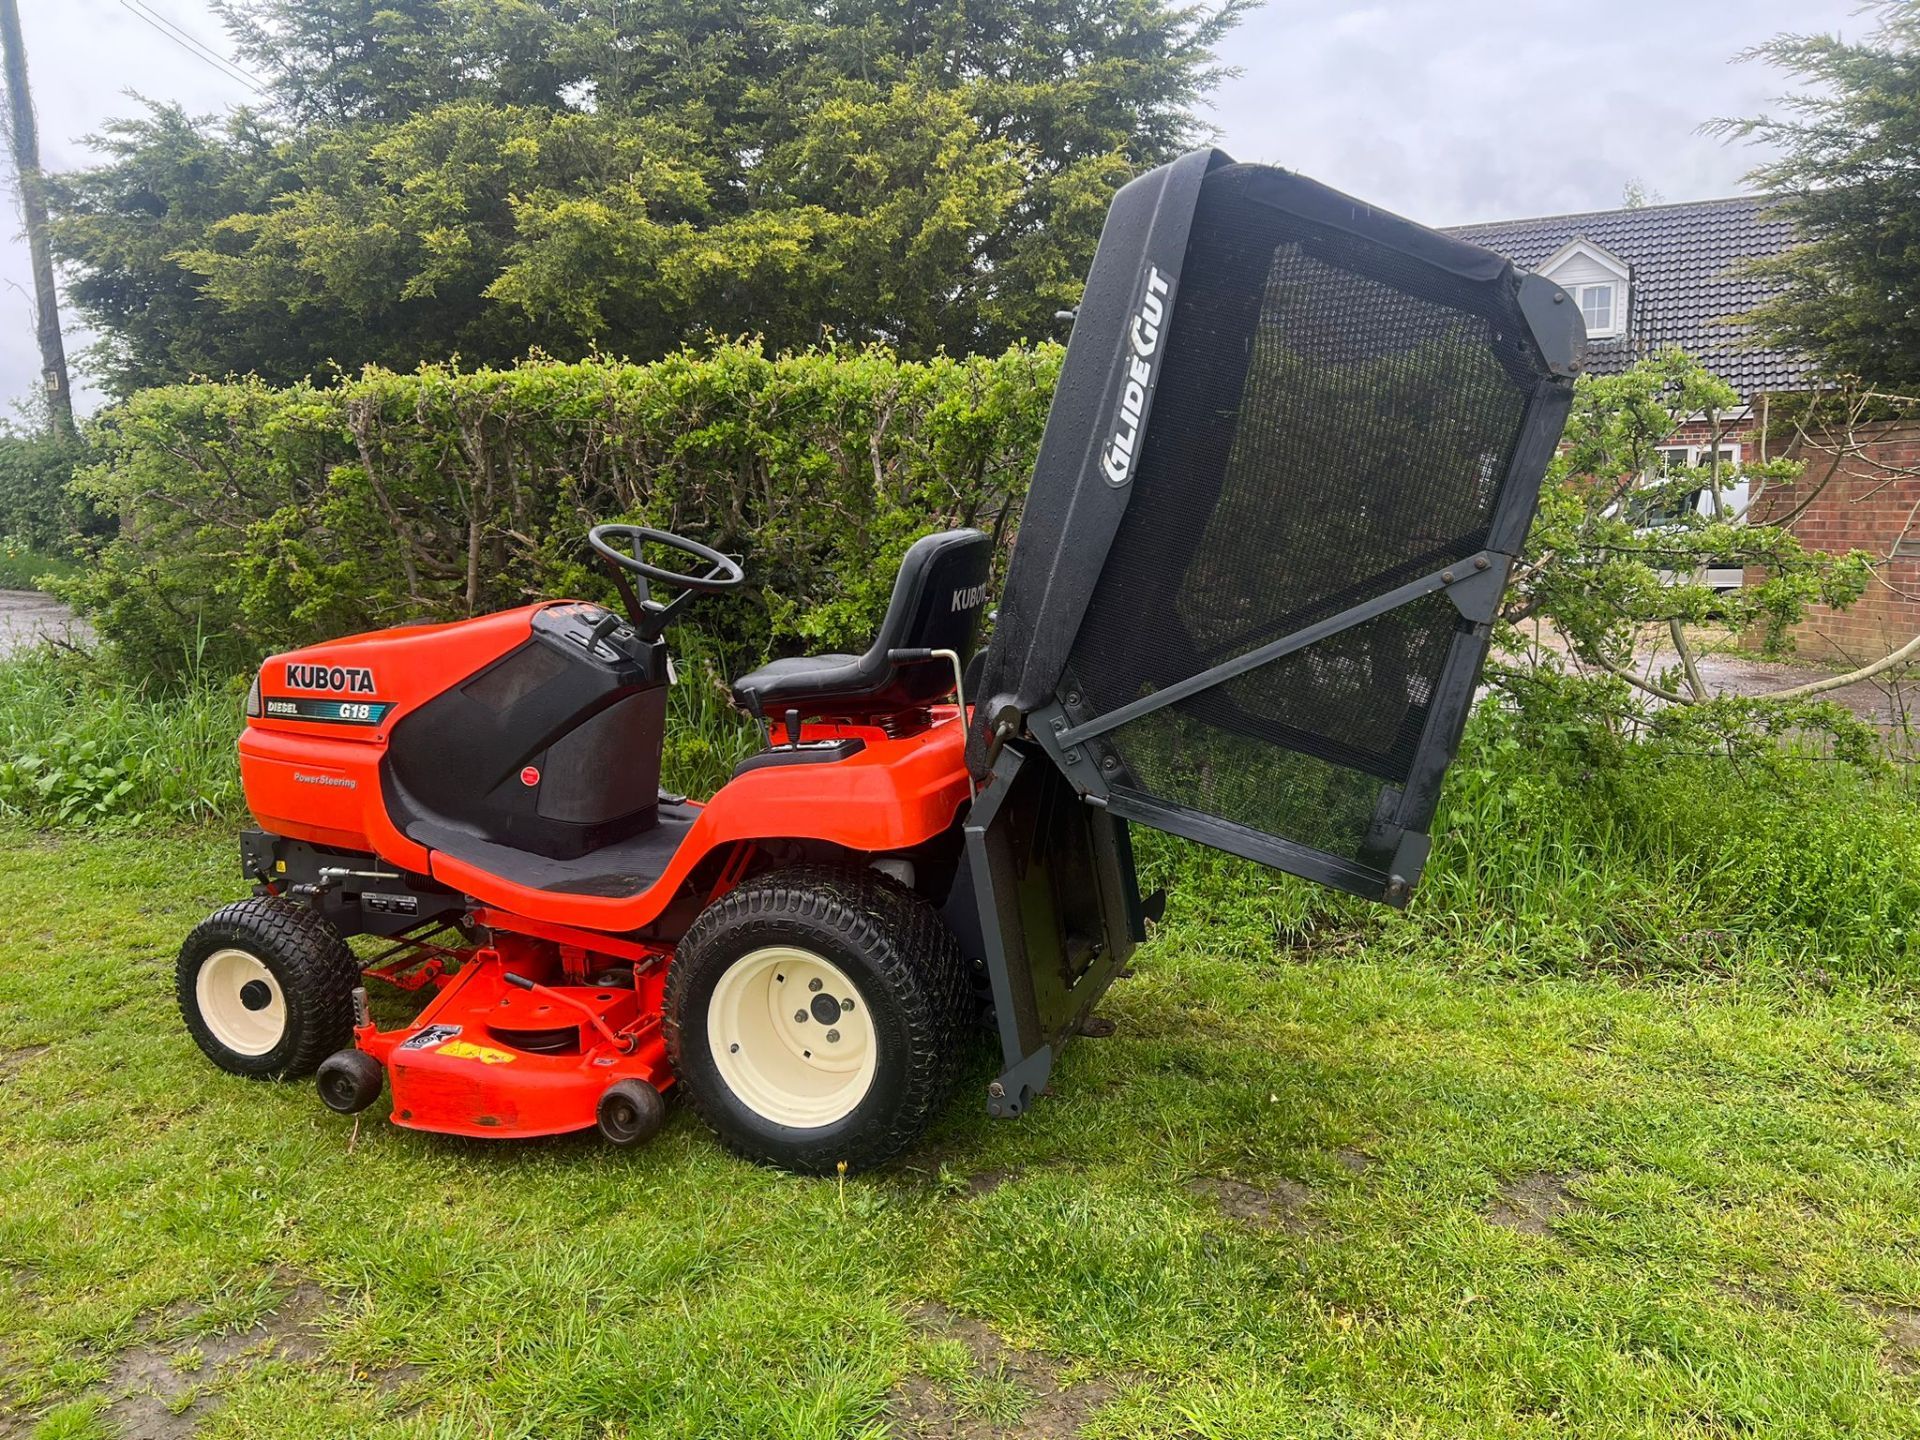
<point>1295,447</point>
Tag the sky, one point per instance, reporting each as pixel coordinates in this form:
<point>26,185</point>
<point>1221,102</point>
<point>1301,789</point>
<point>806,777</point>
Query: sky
<point>1447,111</point>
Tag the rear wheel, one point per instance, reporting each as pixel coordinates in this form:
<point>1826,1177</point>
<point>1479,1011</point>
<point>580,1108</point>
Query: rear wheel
<point>815,1015</point>
<point>266,988</point>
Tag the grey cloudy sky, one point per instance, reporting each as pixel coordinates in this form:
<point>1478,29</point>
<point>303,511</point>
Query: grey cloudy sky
<point>1445,110</point>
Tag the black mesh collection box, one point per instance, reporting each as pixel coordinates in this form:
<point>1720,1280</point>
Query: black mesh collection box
<point>1296,446</point>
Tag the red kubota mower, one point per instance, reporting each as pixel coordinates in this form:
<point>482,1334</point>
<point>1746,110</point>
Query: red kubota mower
<point>1295,446</point>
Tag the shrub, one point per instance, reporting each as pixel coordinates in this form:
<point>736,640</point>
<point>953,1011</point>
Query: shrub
<point>37,512</point>
<point>256,518</point>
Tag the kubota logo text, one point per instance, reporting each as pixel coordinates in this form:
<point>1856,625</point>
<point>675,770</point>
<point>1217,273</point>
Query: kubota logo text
<point>342,679</point>
<point>970,598</point>
<point>1143,342</point>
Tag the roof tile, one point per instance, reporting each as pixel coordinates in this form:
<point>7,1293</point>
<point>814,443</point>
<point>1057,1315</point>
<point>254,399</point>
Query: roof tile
<point>1686,283</point>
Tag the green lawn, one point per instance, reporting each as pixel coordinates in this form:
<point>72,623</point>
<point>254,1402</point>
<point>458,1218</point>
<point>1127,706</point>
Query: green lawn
<point>24,569</point>
<point>1301,1192</point>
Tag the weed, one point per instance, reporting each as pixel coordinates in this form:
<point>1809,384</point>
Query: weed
<point>25,567</point>
<point>78,745</point>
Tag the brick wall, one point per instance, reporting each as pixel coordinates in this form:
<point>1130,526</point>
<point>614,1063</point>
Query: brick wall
<point>1856,505</point>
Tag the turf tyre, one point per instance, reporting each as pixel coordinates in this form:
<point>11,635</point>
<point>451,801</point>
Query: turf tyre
<point>907,967</point>
<point>309,963</point>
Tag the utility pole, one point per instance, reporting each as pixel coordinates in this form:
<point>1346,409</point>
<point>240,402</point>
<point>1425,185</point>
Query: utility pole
<point>33,206</point>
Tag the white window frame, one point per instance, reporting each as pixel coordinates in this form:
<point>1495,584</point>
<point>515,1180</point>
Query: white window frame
<point>1733,504</point>
<point>1733,497</point>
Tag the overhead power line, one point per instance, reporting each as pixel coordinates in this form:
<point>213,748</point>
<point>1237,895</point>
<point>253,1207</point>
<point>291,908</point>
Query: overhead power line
<point>193,45</point>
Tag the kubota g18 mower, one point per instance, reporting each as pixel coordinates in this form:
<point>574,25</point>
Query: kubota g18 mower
<point>1295,447</point>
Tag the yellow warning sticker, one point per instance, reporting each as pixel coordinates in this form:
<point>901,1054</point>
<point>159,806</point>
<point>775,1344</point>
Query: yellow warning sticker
<point>485,1054</point>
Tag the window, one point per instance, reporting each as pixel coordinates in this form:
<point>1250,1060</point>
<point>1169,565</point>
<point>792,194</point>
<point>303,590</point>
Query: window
<point>1674,508</point>
<point>1596,308</point>
<point>1733,488</point>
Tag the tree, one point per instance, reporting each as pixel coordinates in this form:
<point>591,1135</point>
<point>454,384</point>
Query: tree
<point>1848,174</point>
<point>433,178</point>
<point>1597,635</point>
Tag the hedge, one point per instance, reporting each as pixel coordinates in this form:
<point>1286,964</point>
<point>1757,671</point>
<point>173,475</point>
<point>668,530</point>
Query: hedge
<point>254,518</point>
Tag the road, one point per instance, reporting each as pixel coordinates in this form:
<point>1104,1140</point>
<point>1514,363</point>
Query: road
<point>27,616</point>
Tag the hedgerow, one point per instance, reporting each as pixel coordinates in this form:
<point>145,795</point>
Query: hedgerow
<point>256,518</point>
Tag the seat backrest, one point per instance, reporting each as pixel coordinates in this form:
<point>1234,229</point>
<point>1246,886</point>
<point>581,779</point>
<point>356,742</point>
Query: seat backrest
<point>938,599</point>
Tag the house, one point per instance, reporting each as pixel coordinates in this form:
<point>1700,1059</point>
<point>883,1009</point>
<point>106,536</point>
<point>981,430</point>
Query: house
<point>1657,276</point>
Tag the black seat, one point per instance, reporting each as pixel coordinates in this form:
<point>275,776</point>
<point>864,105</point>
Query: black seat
<point>936,605</point>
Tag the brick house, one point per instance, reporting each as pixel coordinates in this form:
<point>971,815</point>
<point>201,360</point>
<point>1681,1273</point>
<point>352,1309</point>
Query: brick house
<point>1664,275</point>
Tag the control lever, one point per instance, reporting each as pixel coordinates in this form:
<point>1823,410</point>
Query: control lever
<point>793,727</point>
<point>623,1043</point>
<point>602,627</point>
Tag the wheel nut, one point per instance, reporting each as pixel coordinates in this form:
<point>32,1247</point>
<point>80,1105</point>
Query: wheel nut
<point>799,1017</point>
<point>734,1049</point>
<point>847,1004</point>
<point>833,1037</point>
<point>814,984</point>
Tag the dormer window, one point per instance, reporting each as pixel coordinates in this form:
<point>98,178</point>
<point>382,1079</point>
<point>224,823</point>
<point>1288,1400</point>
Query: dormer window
<point>1597,281</point>
<point>1596,307</point>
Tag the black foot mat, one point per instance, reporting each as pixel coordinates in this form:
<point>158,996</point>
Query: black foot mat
<point>623,868</point>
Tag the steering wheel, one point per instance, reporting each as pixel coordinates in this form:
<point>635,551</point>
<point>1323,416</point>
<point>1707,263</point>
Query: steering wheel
<point>725,573</point>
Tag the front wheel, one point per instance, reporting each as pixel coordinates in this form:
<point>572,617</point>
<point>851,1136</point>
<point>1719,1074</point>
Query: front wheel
<point>266,988</point>
<point>815,1017</point>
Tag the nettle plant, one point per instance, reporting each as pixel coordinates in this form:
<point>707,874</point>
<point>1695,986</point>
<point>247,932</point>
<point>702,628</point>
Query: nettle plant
<point>1599,634</point>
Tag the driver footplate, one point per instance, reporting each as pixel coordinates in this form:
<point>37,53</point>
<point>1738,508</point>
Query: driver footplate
<point>619,870</point>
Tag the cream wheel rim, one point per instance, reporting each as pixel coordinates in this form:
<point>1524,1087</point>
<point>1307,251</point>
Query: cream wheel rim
<point>792,1037</point>
<point>241,1002</point>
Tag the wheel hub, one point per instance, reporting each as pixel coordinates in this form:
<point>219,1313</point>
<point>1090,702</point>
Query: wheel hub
<point>240,1002</point>
<point>787,1030</point>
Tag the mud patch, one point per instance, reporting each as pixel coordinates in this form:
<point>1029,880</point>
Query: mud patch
<point>1006,1394</point>
<point>1283,1202</point>
<point>1530,1203</point>
<point>162,1390</point>
<point>11,1060</point>
<point>988,1181</point>
<point>1901,1326</point>
<point>1353,1160</point>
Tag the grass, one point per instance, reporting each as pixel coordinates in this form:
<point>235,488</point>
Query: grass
<point>1609,1135</point>
<point>1725,1243</point>
<point>24,568</point>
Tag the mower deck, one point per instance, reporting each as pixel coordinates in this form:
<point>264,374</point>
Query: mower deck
<point>490,1058</point>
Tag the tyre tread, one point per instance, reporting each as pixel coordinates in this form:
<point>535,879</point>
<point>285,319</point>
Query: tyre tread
<point>319,966</point>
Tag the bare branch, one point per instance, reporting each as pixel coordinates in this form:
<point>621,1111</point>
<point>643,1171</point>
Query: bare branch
<point>1852,677</point>
<point>1620,672</point>
<point>1694,682</point>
